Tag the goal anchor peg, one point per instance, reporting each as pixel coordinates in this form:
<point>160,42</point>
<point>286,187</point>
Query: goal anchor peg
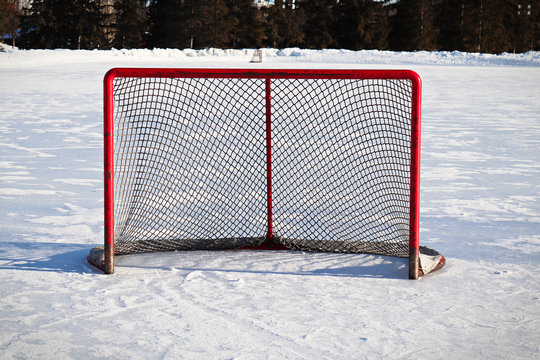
<point>257,56</point>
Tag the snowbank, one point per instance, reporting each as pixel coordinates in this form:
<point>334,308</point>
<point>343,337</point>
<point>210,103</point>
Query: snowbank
<point>44,57</point>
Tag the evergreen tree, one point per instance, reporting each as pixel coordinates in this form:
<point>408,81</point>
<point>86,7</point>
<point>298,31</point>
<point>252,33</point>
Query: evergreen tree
<point>217,23</point>
<point>164,18</point>
<point>350,24</point>
<point>282,26</point>
<point>472,25</point>
<point>72,24</point>
<point>377,26</point>
<point>523,25</point>
<point>535,13</point>
<point>9,19</point>
<point>175,23</point>
<point>130,23</point>
<point>450,18</point>
<point>485,25</point>
<point>191,23</point>
<point>82,23</point>
<point>319,23</point>
<point>496,25</point>
<point>38,27</point>
<point>246,30</point>
<point>361,24</point>
<point>413,26</point>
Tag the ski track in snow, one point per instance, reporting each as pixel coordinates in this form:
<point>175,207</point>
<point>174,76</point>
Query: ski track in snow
<point>479,207</point>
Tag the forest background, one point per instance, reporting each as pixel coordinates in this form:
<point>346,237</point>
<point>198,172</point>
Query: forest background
<point>489,26</point>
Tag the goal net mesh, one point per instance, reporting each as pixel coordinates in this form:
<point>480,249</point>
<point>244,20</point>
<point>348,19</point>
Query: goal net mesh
<point>190,166</point>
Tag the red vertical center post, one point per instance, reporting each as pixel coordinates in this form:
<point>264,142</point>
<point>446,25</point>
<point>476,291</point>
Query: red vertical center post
<point>270,232</point>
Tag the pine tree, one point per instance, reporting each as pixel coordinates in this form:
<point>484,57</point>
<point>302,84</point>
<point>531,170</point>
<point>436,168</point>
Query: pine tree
<point>522,25</point>
<point>496,26</point>
<point>319,23</point>
<point>535,14</point>
<point>72,24</point>
<point>129,23</point>
<point>36,28</point>
<point>485,25</point>
<point>361,24</point>
<point>83,20</point>
<point>471,31</point>
<point>175,23</point>
<point>9,19</point>
<point>377,27</point>
<point>217,24</point>
<point>413,26</point>
<point>450,19</point>
<point>247,29</point>
<point>191,23</point>
<point>282,26</point>
<point>350,24</point>
<point>164,17</point>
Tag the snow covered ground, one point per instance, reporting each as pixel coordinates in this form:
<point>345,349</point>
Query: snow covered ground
<point>480,207</point>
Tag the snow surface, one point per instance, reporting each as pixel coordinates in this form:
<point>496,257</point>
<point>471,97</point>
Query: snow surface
<point>480,207</point>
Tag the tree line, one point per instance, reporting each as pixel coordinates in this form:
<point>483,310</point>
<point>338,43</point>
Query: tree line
<point>491,26</point>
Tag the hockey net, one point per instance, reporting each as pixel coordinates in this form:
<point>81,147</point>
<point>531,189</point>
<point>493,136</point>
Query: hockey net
<point>222,159</point>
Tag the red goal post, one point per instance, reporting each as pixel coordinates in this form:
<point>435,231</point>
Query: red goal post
<point>256,86</point>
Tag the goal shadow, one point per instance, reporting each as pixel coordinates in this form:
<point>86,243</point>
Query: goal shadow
<point>45,256</point>
<point>393,270</point>
<point>279,263</point>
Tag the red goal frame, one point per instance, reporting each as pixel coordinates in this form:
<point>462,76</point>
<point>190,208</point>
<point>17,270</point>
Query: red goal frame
<point>267,75</point>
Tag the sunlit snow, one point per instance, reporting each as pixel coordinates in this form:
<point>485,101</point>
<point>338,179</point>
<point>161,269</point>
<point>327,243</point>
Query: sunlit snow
<point>480,207</point>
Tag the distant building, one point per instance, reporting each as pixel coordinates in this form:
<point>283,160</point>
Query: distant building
<point>264,3</point>
<point>21,4</point>
<point>268,3</point>
<point>524,9</point>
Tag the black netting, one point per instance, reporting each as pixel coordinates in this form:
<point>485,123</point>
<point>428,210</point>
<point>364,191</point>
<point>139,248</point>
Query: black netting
<point>341,165</point>
<point>190,164</point>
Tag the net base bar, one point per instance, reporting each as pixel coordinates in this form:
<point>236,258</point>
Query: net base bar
<point>429,260</point>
